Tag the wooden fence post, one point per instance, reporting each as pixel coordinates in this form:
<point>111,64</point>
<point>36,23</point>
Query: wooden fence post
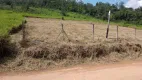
<point>108,24</point>
<point>62,27</point>
<point>117,33</point>
<point>63,30</point>
<point>135,33</point>
<point>93,32</point>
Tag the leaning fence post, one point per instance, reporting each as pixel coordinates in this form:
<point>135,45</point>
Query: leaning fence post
<point>117,33</point>
<point>93,32</point>
<point>62,27</point>
<point>63,32</point>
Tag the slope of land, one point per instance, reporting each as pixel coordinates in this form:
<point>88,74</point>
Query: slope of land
<point>9,20</point>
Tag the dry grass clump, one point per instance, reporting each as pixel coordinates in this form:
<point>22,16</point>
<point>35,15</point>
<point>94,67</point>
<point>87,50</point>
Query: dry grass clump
<point>66,51</point>
<point>51,55</point>
<point>61,52</point>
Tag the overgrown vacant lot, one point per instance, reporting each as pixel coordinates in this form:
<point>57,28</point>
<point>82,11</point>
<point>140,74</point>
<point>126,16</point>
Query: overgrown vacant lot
<point>49,30</point>
<point>44,47</point>
<point>48,44</point>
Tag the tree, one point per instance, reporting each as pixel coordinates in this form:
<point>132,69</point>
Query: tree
<point>100,10</point>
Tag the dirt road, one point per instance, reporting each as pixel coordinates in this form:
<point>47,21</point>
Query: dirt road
<point>132,71</point>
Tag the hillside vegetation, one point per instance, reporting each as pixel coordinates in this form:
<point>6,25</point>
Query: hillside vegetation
<point>11,19</point>
<point>100,10</point>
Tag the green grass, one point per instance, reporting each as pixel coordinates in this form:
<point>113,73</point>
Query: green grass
<point>81,17</point>
<point>8,20</point>
<point>125,24</point>
<point>13,18</point>
<point>43,13</point>
<point>49,13</point>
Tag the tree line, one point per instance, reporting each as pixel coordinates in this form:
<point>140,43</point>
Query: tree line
<point>100,10</point>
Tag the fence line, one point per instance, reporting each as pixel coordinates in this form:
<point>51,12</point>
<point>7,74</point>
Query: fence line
<point>93,32</point>
<point>118,35</point>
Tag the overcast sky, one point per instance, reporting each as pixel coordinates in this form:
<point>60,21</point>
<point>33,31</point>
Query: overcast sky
<point>128,3</point>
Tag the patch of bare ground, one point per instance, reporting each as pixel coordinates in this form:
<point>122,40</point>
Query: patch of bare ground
<point>48,44</point>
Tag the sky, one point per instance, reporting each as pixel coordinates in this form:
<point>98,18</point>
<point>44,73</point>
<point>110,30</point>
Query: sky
<point>128,3</point>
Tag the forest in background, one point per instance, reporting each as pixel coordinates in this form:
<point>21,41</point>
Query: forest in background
<point>100,10</point>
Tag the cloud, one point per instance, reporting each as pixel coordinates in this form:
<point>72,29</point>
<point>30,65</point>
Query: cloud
<point>140,2</point>
<point>133,4</point>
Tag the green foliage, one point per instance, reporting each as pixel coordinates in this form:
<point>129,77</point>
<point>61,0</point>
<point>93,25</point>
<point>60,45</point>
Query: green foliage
<point>100,10</point>
<point>43,13</point>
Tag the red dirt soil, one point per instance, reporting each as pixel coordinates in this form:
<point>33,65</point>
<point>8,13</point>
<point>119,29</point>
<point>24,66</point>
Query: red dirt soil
<point>131,71</point>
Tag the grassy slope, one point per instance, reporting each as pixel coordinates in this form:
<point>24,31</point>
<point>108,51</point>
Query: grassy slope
<point>10,19</point>
<point>48,13</point>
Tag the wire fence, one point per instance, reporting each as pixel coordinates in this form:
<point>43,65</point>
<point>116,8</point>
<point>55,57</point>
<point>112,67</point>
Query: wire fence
<point>86,32</point>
